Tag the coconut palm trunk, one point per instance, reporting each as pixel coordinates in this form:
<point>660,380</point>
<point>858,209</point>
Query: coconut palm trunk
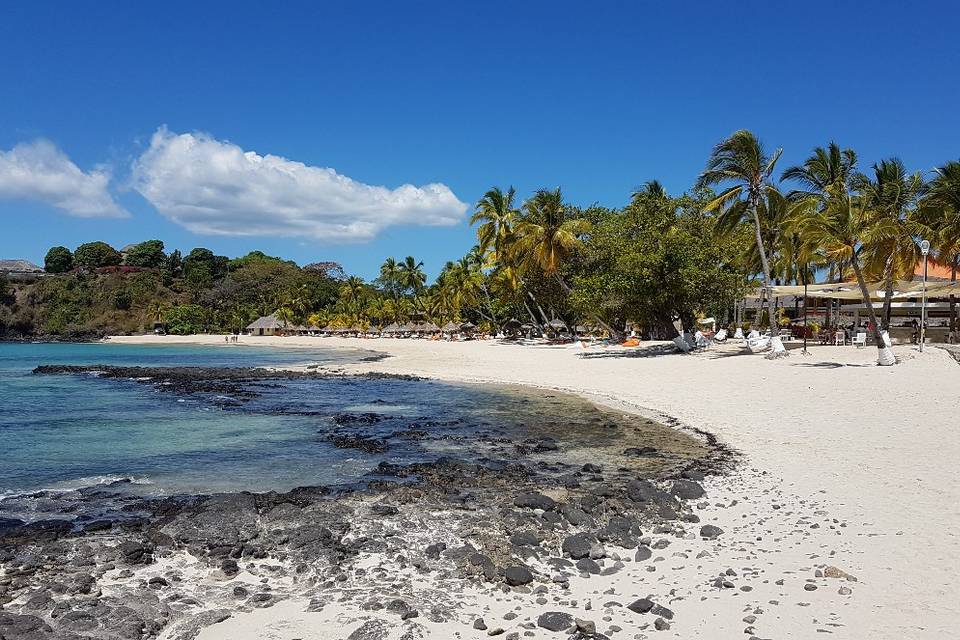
<point>887,294</point>
<point>885,356</point>
<point>953,298</point>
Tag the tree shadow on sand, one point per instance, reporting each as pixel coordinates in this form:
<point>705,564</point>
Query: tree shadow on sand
<point>651,351</point>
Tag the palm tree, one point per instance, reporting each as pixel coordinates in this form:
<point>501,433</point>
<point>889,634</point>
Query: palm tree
<point>822,173</point>
<point>410,274</point>
<point>284,314</point>
<point>891,194</point>
<point>376,312</point>
<point>390,277</point>
<point>940,211</point>
<point>495,213</point>
<point>545,238</point>
<point>841,229</point>
<point>353,294</point>
<point>827,172</point>
<point>742,160</point>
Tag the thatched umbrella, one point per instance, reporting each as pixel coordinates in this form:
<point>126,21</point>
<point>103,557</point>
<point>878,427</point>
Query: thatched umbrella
<point>391,328</point>
<point>329,329</point>
<point>468,326</point>
<point>558,325</point>
<point>450,327</point>
<point>427,327</point>
<point>512,323</point>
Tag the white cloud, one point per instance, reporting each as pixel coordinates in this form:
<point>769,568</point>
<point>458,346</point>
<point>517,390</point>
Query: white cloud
<point>214,187</point>
<point>39,171</point>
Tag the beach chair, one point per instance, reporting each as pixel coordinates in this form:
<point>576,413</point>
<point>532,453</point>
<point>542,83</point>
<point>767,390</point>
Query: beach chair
<point>839,338</point>
<point>682,344</point>
<point>738,334</point>
<point>753,335</point>
<point>860,340</point>
<point>700,340</point>
<point>721,336</point>
<point>758,344</point>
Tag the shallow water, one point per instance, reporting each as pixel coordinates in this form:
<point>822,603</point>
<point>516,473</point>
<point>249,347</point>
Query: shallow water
<point>65,432</point>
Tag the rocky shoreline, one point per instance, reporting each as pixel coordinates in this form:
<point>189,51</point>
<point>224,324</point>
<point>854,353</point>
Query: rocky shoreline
<point>401,549</point>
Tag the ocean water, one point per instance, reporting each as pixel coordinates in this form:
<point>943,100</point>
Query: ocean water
<point>63,433</point>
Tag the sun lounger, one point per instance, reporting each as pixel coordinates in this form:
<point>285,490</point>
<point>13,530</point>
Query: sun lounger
<point>682,344</point>
<point>700,340</point>
<point>721,336</point>
<point>758,344</point>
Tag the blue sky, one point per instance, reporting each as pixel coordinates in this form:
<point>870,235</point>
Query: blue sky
<point>593,97</point>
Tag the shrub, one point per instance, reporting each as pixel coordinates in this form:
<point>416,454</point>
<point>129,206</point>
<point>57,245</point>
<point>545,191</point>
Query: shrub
<point>58,260</point>
<point>96,254</point>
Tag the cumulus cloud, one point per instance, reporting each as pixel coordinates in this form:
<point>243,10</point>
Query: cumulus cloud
<point>211,186</point>
<point>40,171</point>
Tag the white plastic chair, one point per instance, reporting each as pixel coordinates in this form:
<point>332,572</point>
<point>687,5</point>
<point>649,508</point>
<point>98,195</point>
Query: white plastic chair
<point>860,340</point>
<point>738,334</point>
<point>721,336</point>
<point>839,338</point>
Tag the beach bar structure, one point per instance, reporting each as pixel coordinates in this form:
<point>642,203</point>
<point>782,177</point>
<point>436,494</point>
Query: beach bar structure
<point>266,326</point>
<point>841,303</point>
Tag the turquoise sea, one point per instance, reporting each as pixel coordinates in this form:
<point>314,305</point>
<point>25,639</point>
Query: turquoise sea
<point>62,433</point>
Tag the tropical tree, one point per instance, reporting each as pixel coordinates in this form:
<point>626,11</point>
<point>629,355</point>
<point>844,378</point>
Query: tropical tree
<point>390,277</point>
<point>843,229</point>
<point>742,161</point>
<point>892,194</point>
<point>286,315</point>
<point>495,212</point>
<point>940,211</point>
<point>410,274</point>
<point>545,238</point>
<point>827,172</point>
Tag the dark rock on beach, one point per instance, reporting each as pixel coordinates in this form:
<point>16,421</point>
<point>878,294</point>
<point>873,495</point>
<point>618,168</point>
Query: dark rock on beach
<point>535,500</point>
<point>555,621</point>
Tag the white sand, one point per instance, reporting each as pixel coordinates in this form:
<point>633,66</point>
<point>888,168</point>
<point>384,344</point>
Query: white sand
<point>829,438</point>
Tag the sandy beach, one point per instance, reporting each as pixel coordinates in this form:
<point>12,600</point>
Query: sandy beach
<point>843,464</point>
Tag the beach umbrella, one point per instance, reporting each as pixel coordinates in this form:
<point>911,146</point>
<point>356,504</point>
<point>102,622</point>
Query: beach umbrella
<point>427,327</point>
<point>468,326</point>
<point>391,328</point>
<point>558,325</point>
<point>512,323</point>
<point>450,327</point>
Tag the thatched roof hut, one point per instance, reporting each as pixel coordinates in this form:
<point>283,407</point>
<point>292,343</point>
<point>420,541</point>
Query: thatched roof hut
<point>266,326</point>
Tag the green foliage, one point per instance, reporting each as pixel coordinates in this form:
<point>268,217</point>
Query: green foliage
<point>58,260</point>
<point>122,300</point>
<point>256,257</point>
<point>185,319</point>
<point>93,255</point>
<point>655,261</point>
<point>146,254</point>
